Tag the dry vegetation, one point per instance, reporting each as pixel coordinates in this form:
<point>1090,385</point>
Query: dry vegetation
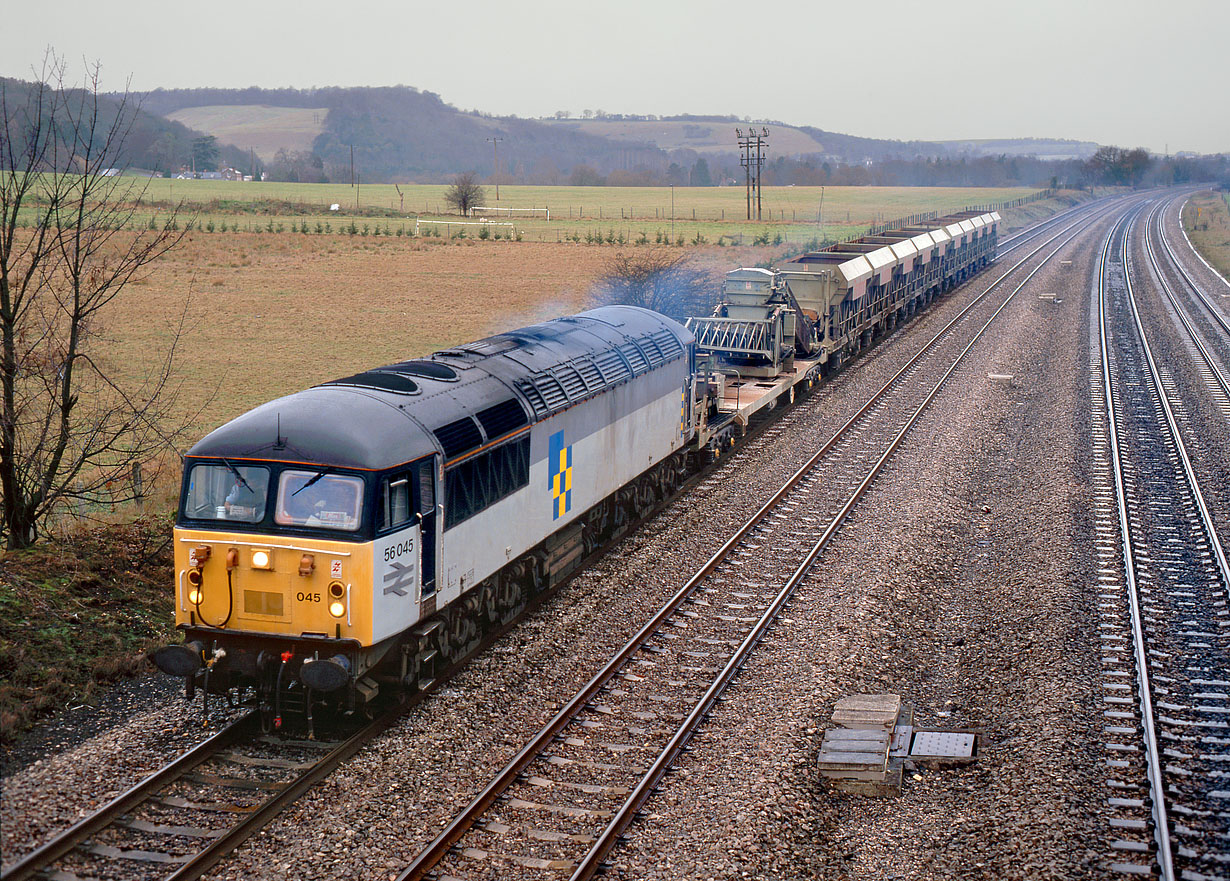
<point>1206,218</point>
<point>78,613</point>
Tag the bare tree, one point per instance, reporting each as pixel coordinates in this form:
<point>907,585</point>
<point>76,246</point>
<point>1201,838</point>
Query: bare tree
<point>656,279</point>
<point>70,427</point>
<point>465,192</point>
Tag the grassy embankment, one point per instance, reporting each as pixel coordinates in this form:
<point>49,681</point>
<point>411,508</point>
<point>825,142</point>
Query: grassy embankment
<point>267,315</point>
<point>1206,219</point>
<point>78,613</point>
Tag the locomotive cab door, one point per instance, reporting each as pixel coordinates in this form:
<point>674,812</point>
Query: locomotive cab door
<point>425,496</point>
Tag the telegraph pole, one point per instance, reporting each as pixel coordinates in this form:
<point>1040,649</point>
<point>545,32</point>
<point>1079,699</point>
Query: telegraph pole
<point>495,146</point>
<point>751,157</point>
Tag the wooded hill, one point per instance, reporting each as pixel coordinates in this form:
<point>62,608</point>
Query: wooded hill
<point>155,144</point>
<point>400,133</point>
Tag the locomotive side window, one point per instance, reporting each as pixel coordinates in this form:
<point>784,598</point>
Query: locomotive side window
<point>227,492</point>
<point>395,509</point>
<point>427,486</point>
<point>320,499</point>
<point>479,482</point>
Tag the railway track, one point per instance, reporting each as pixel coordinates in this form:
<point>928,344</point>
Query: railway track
<point>186,817</point>
<point>180,821</point>
<point>1206,328</point>
<point>1164,627</point>
<point>562,803</point>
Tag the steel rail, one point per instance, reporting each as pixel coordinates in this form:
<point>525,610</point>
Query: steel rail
<point>1172,424</point>
<point>1154,221</point>
<point>592,862</point>
<point>429,857</point>
<point>270,808</point>
<point>1161,828</point>
<point>65,841</point>
<point>1031,232</point>
<point>1165,850</point>
<point>1215,313</point>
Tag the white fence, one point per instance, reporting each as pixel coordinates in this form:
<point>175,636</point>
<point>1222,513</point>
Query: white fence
<point>495,209</point>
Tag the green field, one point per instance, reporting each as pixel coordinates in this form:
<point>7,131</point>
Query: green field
<point>695,214</point>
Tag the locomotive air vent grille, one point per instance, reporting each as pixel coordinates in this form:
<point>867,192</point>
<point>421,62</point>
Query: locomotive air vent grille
<point>380,381</point>
<point>653,350</point>
<point>504,417</point>
<point>590,373</point>
<point>612,366</point>
<point>544,393</point>
<point>425,369</point>
<point>459,437</point>
<point>553,393</point>
<point>570,379</point>
<point>635,357</point>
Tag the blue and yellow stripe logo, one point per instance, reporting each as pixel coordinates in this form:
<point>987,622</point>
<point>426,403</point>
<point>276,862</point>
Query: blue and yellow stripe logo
<point>559,475</point>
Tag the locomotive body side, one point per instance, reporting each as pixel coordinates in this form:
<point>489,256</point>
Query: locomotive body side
<point>322,530</point>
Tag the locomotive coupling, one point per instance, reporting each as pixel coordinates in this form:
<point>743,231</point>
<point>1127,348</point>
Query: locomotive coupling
<point>180,660</point>
<point>325,674</point>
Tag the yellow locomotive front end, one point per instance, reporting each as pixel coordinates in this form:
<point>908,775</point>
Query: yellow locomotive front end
<point>273,574</point>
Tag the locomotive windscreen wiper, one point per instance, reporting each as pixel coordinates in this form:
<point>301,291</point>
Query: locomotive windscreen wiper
<point>238,476</point>
<point>319,475</point>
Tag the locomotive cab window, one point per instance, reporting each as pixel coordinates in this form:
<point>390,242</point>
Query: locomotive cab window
<point>226,492</point>
<point>407,494</point>
<point>319,499</point>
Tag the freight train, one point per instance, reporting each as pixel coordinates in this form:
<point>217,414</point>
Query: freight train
<point>364,534</point>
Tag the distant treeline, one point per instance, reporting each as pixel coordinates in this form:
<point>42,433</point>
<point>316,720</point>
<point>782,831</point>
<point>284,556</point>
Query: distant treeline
<point>154,143</point>
<point>401,134</point>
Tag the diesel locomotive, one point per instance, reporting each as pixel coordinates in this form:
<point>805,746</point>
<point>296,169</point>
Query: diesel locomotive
<point>364,534</point>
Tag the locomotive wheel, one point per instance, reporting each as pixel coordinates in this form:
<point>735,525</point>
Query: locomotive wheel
<point>463,632</point>
<point>489,602</point>
<point>595,527</point>
<point>625,507</point>
<point>512,594</point>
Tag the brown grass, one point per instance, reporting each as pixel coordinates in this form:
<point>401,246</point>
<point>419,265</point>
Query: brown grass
<point>1206,218</point>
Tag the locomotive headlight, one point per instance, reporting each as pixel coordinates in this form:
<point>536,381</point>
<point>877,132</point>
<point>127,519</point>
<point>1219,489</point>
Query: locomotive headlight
<point>262,560</point>
<point>195,580</point>
<point>194,596</point>
<point>337,590</point>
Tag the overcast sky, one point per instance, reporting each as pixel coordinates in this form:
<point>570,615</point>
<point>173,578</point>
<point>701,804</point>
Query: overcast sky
<point>1152,73</point>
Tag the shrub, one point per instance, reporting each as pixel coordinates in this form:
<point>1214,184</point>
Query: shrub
<point>209,226</point>
<point>484,233</point>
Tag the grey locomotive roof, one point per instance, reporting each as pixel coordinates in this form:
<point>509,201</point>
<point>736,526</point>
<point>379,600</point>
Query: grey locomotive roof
<point>400,412</point>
